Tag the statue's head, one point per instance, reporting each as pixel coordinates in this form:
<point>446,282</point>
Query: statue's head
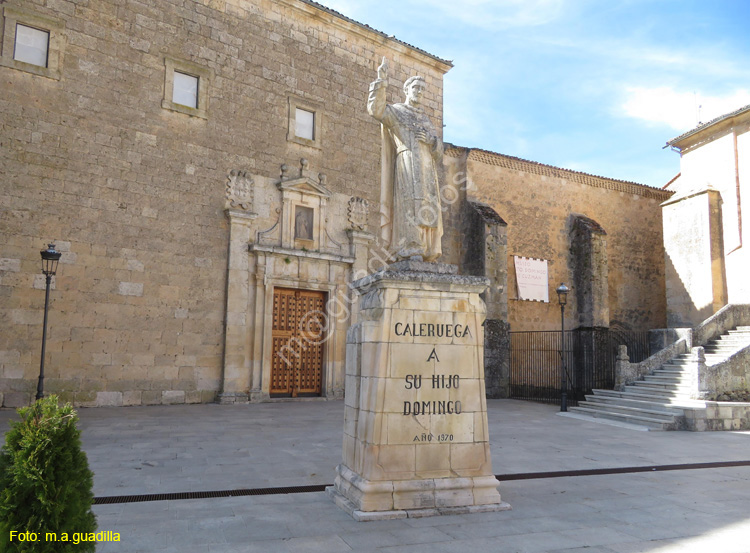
<point>414,88</point>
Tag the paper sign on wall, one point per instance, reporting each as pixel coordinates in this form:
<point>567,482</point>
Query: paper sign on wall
<point>531,279</point>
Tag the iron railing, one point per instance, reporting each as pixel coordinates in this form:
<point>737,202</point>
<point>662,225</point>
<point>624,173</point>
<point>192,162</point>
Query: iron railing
<point>536,367</point>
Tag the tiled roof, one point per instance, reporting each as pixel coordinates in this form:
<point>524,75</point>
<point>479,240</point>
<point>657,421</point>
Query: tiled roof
<point>384,35</point>
<point>712,122</point>
<point>520,164</point>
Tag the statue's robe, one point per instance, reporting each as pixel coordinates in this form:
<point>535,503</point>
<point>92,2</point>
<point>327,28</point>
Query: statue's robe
<point>411,216</point>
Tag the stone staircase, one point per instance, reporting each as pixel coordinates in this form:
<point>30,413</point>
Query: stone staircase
<point>657,401</point>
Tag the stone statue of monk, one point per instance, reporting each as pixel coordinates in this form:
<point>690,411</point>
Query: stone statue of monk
<point>411,218</point>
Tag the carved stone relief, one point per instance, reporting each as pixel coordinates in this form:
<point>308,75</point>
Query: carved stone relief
<point>239,190</point>
<point>358,208</point>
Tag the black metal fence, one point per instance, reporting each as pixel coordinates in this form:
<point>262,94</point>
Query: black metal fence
<point>536,361</point>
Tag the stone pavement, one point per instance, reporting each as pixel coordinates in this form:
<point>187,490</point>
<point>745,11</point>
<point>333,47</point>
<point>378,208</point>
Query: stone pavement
<point>143,450</point>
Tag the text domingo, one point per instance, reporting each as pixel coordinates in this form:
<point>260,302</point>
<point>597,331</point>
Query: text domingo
<point>438,381</point>
<point>432,408</point>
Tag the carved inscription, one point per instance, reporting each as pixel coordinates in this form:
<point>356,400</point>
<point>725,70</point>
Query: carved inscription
<point>432,330</point>
<point>439,381</point>
<point>439,394</point>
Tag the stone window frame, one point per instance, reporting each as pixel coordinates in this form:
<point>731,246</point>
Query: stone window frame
<point>318,117</point>
<point>204,75</point>
<point>13,17</point>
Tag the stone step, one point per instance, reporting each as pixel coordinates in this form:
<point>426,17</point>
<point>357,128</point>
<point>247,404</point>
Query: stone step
<point>632,402</point>
<point>661,374</point>
<point>655,424</point>
<point>723,345</point>
<point>658,392</point>
<point>662,385</point>
<point>608,422</point>
<point>672,369</point>
<point>685,380</point>
<point>645,410</point>
<point>681,375</point>
<point>670,401</point>
<point>672,372</point>
<point>654,392</point>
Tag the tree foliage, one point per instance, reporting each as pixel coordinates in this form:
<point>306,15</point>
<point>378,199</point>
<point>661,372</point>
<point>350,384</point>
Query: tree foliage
<point>45,481</point>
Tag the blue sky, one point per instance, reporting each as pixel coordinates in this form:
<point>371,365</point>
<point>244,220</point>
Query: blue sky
<point>592,85</point>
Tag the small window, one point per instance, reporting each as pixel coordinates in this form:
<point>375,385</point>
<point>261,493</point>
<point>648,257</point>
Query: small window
<point>31,42</point>
<point>304,124</point>
<point>32,45</point>
<point>186,87</point>
<point>185,90</point>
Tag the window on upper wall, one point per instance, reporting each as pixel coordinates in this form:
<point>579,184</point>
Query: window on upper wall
<point>305,122</point>
<point>186,87</point>
<point>185,90</point>
<point>31,43</point>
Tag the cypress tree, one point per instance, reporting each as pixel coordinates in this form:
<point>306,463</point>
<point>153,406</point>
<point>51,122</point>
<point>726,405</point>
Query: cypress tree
<point>45,481</point>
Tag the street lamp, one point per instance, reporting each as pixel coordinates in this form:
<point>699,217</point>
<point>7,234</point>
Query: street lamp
<point>50,257</point>
<point>562,296</point>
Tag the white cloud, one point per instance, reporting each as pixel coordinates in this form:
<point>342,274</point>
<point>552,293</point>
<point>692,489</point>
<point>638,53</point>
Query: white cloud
<point>680,110</point>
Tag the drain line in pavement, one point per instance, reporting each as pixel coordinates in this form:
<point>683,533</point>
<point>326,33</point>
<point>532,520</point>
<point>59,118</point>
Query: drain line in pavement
<point>321,487</point>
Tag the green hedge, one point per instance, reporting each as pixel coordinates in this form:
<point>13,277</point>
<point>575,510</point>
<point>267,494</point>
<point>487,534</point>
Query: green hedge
<point>45,481</point>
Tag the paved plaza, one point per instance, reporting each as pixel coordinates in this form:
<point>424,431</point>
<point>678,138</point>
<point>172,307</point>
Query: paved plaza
<point>185,448</point>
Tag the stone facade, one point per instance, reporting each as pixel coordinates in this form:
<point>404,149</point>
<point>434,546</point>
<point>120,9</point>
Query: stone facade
<point>707,267</point>
<point>600,236</point>
<point>133,188</point>
<point>177,224</point>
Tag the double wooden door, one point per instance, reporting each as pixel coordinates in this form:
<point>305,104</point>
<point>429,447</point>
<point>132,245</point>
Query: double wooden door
<point>298,335</point>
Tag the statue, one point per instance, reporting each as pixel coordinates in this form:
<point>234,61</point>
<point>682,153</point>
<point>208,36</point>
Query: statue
<point>411,169</point>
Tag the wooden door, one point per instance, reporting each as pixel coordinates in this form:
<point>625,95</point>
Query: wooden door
<point>297,335</point>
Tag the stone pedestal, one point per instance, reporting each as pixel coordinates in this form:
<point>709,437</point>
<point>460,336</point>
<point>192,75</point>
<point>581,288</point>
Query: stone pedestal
<point>415,425</point>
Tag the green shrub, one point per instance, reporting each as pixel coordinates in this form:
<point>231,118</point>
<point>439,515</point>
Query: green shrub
<point>45,481</point>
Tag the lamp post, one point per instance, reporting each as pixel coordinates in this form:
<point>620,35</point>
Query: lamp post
<point>562,296</point>
<point>50,257</point>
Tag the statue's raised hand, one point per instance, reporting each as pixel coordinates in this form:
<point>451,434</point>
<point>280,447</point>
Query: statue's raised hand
<point>424,136</point>
<point>383,69</point>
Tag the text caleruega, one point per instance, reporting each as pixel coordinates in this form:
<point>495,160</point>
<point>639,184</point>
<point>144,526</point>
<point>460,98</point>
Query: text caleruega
<point>433,330</point>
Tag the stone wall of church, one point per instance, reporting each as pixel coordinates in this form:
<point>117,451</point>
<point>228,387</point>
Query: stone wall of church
<point>133,192</point>
<point>541,205</point>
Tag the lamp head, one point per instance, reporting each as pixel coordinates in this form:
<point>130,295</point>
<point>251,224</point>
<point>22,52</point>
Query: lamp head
<point>50,257</point>
<point>562,294</point>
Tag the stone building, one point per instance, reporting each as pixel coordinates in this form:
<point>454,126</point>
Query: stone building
<point>210,174</point>
<point>601,236</point>
<point>706,263</point>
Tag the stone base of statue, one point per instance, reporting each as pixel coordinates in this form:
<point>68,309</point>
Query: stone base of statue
<point>415,424</point>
